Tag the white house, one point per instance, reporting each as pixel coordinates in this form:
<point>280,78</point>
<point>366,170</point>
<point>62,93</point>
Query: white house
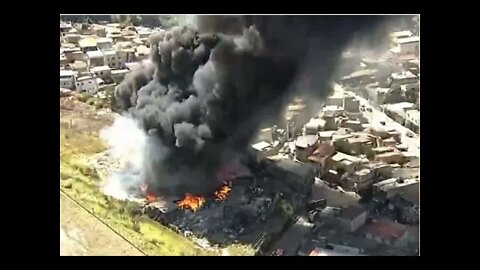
<point>67,79</point>
<point>409,45</point>
<point>103,72</point>
<point>87,84</point>
<point>412,120</point>
<point>95,58</point>
<point>104,44</point>
<point>113,59</point>
<point>119,74</point>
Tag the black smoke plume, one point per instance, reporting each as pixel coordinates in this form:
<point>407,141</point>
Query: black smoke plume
<point>212,87</point>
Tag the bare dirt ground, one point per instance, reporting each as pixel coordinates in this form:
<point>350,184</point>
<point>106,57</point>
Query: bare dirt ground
<point>81,234</point>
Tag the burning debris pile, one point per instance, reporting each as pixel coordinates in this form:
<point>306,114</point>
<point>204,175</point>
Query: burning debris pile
<point>191,202</point>
<point>210,88</point>
<point>235,213</point>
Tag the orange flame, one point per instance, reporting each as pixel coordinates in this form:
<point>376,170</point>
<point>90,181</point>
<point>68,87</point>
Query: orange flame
<point>191,202</point>
<point>222,193</point>
<point>151,198</point>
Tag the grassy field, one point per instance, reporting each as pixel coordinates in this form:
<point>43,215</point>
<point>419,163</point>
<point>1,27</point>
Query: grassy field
<point>79,140</point>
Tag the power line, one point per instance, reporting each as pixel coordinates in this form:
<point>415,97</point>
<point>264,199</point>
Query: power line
<point>99,219</point>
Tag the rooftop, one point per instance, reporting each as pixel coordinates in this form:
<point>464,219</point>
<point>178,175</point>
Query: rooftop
<point>291,166</point>
<point>120,71</point>
<point>306,141</point>
<point>88,42</point>
<point>94,54</point>
<point>66,73</point>
<point>104,40</point>
<point>260,146</point>
<point>109,52</point>
<point>408,40</point>
<point>406,33</point>
<point>362,172</point>
<point>339,156</point>
<point>100,68</point>
<point>403,75</point>
<point>394,183</point>
<point>83,78</point>
<point>324,149</point>
<point>326,134</point>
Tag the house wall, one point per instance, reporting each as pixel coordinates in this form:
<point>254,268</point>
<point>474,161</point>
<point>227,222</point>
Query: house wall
<point>89,86</point>
<point>409,48</point>
<point>95,62</point>
<point>114,61</point>
<point>66,83</point>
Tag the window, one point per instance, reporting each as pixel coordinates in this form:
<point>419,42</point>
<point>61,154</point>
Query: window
<point>83,83</point>
<point>89,82</point>
<point>101,72</point>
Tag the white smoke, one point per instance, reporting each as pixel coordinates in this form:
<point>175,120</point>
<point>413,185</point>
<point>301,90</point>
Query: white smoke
<point>127,143</point>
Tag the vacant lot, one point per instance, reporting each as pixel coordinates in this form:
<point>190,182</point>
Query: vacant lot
<point>83,234</point>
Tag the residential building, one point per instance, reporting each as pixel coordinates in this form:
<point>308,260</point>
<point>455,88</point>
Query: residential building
<point>72,54</point>
<point>300,177</point>
<point>390,157</point>
<point>119,74</point>
<point>95,58</point>
<point>304,147</point>
<point>103,72</point>
<point>412,120</point>
<point>127,54</point>
<point>104,44</point>
<point>352,217</point>
<point>113,59</point>
<point>63,61</point>
<point>394,36</point>
<point>67,79</point>
<point>142,52</point>
<point>72,38</point>
<point>363,178</point>
<point>399,78</point>
<point>387,189</point>
<point>87,84</point>
<point>78,66</point>
<point>409,45</point>
<point>88,44</point>
<point>324,136</point>
<point>335,100</point>
<point>397,111</point>
<point>262,150</point>
<point>322,156</point>
<point>346,162</point>
<point>265,134</point>
<point>351,104</point>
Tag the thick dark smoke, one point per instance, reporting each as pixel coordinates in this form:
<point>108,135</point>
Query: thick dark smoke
<point>210,90</point>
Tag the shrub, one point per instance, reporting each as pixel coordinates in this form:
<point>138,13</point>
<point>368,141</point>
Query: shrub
<point>84,97</point>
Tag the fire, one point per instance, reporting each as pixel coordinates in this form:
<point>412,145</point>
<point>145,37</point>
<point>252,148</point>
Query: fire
<point>222,193</point>
<point>151,198</point>
<point>191,202</point>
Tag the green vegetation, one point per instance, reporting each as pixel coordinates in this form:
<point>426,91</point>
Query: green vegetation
<point>80,181</point>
